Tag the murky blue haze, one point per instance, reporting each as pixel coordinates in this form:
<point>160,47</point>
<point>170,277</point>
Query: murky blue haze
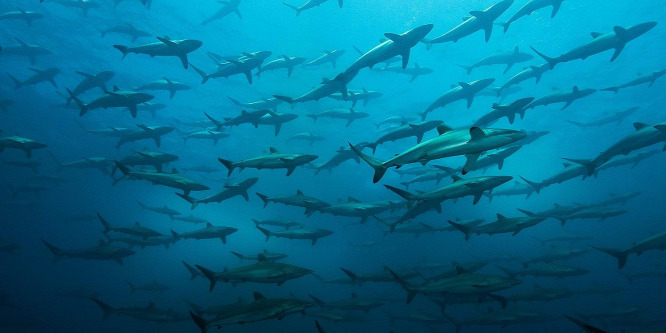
<point>40,295</point>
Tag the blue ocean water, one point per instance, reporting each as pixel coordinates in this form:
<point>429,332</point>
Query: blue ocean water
<point>38,294</point>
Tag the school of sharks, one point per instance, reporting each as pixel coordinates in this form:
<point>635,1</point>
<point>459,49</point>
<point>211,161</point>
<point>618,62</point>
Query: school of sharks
<point>330,166</point>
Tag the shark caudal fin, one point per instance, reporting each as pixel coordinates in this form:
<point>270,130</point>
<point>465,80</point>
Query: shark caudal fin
<point>620,255</point>
<point>194,202</point>
<point>194,273</point>
<point>537,186</point>
<point>298,10</point>
<point>411,198</point>
<point>210,275</point>
<point>376,164</point>
<point>355,278</point>
<point>200,321</point>
<point>411,293</point>
<point>589,165</point>
<point>123,49</point>
<point>55,250</point>
<point>551,61</point>
<point>108,309</point>
<point>585,326</point>
<point>463,228</point>
<point>83,108</point>
<point>228,164</point>
<point>264,231</point>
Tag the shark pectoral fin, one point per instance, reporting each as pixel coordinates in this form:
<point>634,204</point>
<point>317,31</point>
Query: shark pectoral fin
<point>618,49</point>
<point>133,110</point>
<point>278,126</point>
<point>183,59</point>
<point>470,164</point>
<point>477,197</point>
<point>290,171</point>
<point>567,104</point>
<point>248,75</point>
<point>488,30</point>
<point>512,117</point>
<point>405,59</point>
<point>556,8</point>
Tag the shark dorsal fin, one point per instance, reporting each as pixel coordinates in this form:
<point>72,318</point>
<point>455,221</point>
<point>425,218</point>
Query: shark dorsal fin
<point>151,305</point>
<point>640,126</point>
<point>595,34</point>
<point>209,225</point>
<point>262,258</point>
<point>273,150</point>
<point>476,133</point>
<point>115,88</point>
<point>299,192</point>
<point>352,199</point>
<point>258,297</point>
<point>500,217</point>
<point>441,129</point>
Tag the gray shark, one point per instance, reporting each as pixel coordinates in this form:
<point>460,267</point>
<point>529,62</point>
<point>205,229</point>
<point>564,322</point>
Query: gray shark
<point>355,96</point>
<point>21,14</point>
<point>393,46</point>
<point>404,131</point>
<point>160,210</point>
<point>246,117</point>
<point>517,107</point>
<point>517,189</point>
<point>102,164</point>
<point>17,142</point>
<point>264,271</point>
<point>326,88</point>
<point>272,160</point>
<point>638,81</point>
<point>547,270</point>
<point>229,191</point>
<point>145,133</point>
<point>25,50</point>
<point>228,7</point>
<point>165,241</point>
<point>286,224</point>
<point>595,212</point>
<point>307,137</point>
<point>174,180</point>
<point>165,84</point>
<point>632,159</point>
<point>503,225</point>
<point>103,251</point>
<point>562,96</point>
<point>266,103</point>
<point>28,164</point>
<point>165,47</point>
<point>209,232</point>
<point>342,155</point>
<point>644,136</point>
<point>309,5</point>
<point>436,176</point>
<point>261,309</point>
<point>461,91</point>
<point>479,20</point>
<point>270,256</point>
<point>379,276</point>
<point>616,40</point>
<point>153,158</point>
<point>91,81</point>
<point>285,62</point>
<point>354,303</point>
<point>609,118</point>
<point>449,143</point>
<point>311,204</point>
<point>84,5</point>
<point>413,72</point>
<point>193,271</point>
<point>152,286</point>
<point>556,254</point>
<point>8,246</point>
<point>149,313</point>
<point>302,233</point>
<point>503,58</point>
<point>328,56</point>
<point>570,171</point>
<point>126,29</point>
<point>356,208</point>
<point>241,65</point>
<point>462,284</point>
<point>557,212</point>
<point>530,7</point>
<point>527,73</point>
<point>113,99</point>
<point>206,134</point>
<point>134,230</point>
<point>191,219</point>
<point>276,120</point>
<point>46,75</point>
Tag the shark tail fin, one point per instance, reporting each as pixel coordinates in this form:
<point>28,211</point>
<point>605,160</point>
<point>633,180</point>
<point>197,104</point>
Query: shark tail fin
<point>263,198</point>
<point>210,275</point>
<point>505,25</point>
<point>585,326</point>
<point>228,164</point>
<point>204,76</point>
<point>108,309</point>
<point>621,256</point>
<point>106,225</point>
<point>200,321</point>
<point>240,256</point>
<point>189,199</point>
<point>355,278</point>
<point>55,250</point>
<point>132,287</point>
<point>411,198</point>
<point>465,229</point>
<point>507,271</point>
<point>537,186</point>
<point>192,270</point>
<point>404,284</point>
<point>285,99</point>
<point>468,69</point>
<point>613,89</point>
<point>264,231</point>
<point>551,61</point>
<point>17,83</point>
<point>319,302</point>
<point>298,10</point>
<point>123,49</point>
<point>376,164</point>
<point>83,108</point>
<point>588,164</point>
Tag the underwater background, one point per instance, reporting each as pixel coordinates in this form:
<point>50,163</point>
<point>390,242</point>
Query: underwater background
<point>38,294</point>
